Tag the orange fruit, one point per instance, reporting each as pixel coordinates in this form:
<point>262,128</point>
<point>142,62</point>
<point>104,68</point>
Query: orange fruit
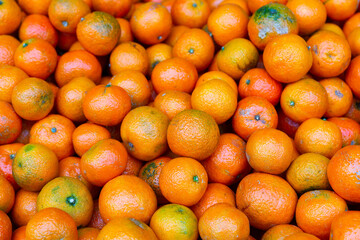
<point>127,196</point>
<point>10,126</point>
<point>228,163</point>
<point>38,26</point>
<point>310,15</point>
<point>316,210</point>
<point>126,228</point>
<point>35,6</point>
<point>237,57</point>
<point>270,150</point>
<point>32,99</point>
<point>175,33</point>
<point>354,111</point>
<point>331,54</point>
<point>351,23</point>
<point>171,102</point>
<point>10,16</point>
<point>70,195</point>
<point>340,10</point>
<point>88,233</point>
<point>256,4</point>
<point>267,200</point>
<point>223,221</point>
<point>32,178</point>
<point>280,232</point>
<point>96,219</point>
<point>51,223</point>
<point>8,46</point>
<point>150,173</point>
<point>214,75</point>
<point>253,113</point>
<point>216,98</point>
<point>19,233</point>
<point>350,130</point>
<point>287,58</point>
<point>75,64</point>
<point>98,33</point>
<point>151,23</point>
<point>353,40</point>
<point>226,22</point>
<point>352,76</point>
<point>190,13</point>
<point>195,46</point>
<point>174,221</point>
<point>183,181</point>
<point>36,57</point>
<point>174,74</point>
<point>54,132</point>
<point>215,193</point>
<point>302,236</point>
<point>126,35</point>
<point>86,135</point>
<point>106,105</point>
<point>135,84</point>
<point>10,77</point>
<point>343,173</point>
<point>70,167</point>
<point>143,132</point>
<point>257,82</point>
<point>133,166</point>
<point>318,136</point>
<point>158,53</point>
<point>5,226</point>
<point>66,40</point>
<point>304,99</point>
<point>286,124</point>
<point>308,172</point>
<point>129,56</point>
<point>346,225</point>
<point>7,195</point>
<point>70,97</point>
<point>104,161</point>
<point>25,132</point>
<point>241,3</point>
<point>7,155</point>
<point>270,21</point>
<point>193,133</point>
<point>339,96</point>
<point>332,27</point>
<point>113,7</point>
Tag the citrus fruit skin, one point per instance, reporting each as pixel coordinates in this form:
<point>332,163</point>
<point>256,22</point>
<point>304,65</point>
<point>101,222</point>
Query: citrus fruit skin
<point>179,119</point>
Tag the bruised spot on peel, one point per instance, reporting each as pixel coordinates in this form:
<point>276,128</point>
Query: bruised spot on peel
<point>150,170</point>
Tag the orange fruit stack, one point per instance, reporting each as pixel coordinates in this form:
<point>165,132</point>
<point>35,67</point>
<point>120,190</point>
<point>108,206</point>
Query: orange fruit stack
<point>179,119</point>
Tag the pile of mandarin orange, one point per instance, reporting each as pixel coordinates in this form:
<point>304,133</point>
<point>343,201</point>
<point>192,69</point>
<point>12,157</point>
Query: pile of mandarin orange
<point>179,119</point>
